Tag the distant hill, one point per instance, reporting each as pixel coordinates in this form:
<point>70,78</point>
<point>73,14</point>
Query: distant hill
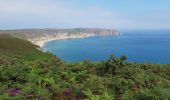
<point>37,33</point>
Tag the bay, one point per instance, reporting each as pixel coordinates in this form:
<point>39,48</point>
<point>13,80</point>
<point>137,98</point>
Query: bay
<point>142,46</point>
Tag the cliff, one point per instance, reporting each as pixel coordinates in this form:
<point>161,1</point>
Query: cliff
<point>38,33</point>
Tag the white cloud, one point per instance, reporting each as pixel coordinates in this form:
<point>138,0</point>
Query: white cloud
<point>49,13</point>
<point>21,11</point>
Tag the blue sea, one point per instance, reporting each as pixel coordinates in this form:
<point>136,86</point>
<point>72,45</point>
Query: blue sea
<point>142,46</point>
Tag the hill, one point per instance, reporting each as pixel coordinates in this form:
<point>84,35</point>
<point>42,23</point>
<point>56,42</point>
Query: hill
<point>27,73</point>
<point>37,33</point>
<point>18,48</point>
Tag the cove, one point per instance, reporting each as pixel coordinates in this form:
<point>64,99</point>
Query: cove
<point>144,46</point>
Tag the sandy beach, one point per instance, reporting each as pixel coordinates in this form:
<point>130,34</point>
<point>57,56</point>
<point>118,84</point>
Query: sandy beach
<point>42,40</point>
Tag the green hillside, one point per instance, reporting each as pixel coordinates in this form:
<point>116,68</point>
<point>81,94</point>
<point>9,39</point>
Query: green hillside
<point>29,74</point>
<point>17,48</point>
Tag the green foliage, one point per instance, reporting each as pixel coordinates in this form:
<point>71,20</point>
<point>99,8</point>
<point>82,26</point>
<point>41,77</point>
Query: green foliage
<point>26,73</point>
<point>21,49</point>
<point>104,96</point>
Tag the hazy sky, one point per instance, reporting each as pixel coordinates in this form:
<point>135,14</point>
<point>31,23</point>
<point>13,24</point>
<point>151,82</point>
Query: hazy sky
<point>119,14</point>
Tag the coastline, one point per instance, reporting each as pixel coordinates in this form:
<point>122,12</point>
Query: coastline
<point>42,40</point>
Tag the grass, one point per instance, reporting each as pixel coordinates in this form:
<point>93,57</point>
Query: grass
<point>18,48</point>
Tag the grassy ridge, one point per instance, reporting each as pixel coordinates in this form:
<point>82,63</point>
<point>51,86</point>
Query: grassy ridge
<point>14,47</point>
<point>27,73</point>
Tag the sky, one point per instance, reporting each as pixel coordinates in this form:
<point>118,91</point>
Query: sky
<point>118,14</point>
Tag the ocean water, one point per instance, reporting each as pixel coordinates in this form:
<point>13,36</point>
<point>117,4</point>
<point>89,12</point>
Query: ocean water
<point>149,46</point>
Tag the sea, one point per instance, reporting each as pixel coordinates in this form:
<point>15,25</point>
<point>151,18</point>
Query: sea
<point>140,46</point>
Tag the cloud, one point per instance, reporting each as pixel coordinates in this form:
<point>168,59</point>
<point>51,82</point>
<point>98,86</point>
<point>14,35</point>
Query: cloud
<point>59,13</point>
<point>26,12</point>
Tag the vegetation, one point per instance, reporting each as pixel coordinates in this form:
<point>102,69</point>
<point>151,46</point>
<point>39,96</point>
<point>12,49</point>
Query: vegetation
<point>17,48</point>
<point>27,73</point>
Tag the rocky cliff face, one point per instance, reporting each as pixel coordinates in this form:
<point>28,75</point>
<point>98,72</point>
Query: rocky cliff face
<point>102,32</point>
<point>37,33</point>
